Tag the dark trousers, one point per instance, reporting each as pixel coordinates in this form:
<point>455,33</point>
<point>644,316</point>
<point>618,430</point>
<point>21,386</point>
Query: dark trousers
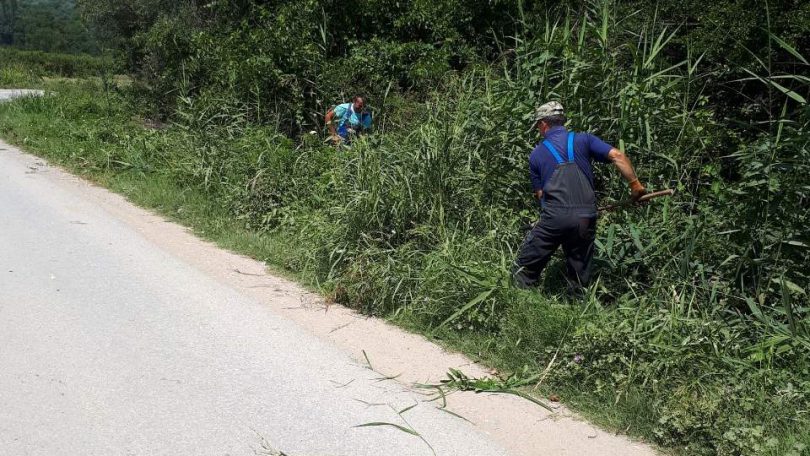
<point>570,228</point>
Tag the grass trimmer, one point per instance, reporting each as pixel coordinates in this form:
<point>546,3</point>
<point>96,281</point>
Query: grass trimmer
<point>643,199</point>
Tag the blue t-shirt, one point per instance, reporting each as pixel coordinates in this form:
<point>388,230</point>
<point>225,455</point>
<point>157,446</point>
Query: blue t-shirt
<point>587,147</point>
<point>345,114</point>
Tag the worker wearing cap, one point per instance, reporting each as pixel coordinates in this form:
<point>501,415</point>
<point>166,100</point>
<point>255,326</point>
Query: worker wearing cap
<point>347,120</point>
<point>562,179</point>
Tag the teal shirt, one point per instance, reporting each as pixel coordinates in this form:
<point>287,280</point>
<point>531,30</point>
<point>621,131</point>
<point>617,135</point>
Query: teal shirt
<point>345,114</point>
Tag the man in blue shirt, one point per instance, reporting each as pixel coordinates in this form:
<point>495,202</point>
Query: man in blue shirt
<point>347,120</point>
<point>562,179</point>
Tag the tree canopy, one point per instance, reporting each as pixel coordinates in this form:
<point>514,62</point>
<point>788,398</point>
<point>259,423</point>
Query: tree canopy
<point>44,25</point>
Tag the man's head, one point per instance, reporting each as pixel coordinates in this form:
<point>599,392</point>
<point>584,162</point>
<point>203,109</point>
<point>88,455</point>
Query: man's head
<point>359,103</point>
<point>549,115</point>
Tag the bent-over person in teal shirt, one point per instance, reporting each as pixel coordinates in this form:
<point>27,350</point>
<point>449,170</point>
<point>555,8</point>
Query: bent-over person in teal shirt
<point>347,120</point>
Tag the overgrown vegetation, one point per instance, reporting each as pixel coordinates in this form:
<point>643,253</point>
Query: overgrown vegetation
<point>20,68</point>
<point>695,334</point>
<point>45,25</point>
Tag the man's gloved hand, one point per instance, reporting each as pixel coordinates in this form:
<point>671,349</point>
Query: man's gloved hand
<point>637,190</point>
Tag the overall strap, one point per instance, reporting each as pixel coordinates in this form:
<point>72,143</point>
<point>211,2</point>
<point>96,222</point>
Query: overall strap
<point>348,114</point>
<point>553,151</point>
<point>556,154</point>
<point>570,147</point>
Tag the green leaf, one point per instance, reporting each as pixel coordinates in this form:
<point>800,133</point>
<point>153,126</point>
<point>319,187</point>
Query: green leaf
<point>797,244</point>
<point>787,91</point>
<point>365,355</point>
<point>407,408</point>
<point>478,299</point>
<point>453,413</point>
<point>380,423</point>
<point>788,48</point>
<point>634,234</point>
<point>789,285</point>
<point>752,305</point>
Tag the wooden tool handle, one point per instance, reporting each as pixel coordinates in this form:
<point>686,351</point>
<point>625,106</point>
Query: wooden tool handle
<point>658,194</point>
<point>645,198</point>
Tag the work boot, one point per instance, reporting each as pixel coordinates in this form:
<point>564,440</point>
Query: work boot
<point>523,279</point>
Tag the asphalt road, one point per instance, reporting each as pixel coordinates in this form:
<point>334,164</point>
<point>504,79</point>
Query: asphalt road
<point>110,345</point>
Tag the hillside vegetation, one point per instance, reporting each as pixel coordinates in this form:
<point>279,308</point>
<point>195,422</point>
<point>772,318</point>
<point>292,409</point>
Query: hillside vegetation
<point>20,68</point>
<point>46,39</point>
<point>45,25</point>
<point>695,334</point>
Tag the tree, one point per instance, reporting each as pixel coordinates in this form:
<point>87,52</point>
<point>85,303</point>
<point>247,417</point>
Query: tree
<point>46,25</point>
<point>8,15</point>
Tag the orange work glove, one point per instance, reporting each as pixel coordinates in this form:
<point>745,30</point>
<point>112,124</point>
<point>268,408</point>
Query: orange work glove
<point>637,190</point>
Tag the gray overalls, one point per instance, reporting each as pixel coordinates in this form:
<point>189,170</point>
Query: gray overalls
<point>567,218</point>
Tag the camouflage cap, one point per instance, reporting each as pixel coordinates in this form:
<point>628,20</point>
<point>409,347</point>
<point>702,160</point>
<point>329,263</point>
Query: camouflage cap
<point>552,108</point>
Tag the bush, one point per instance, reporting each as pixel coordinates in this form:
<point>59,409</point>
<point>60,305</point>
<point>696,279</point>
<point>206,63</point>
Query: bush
<point>42,64</point>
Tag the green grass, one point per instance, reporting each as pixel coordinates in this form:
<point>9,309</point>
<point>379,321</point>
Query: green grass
<point>17,76</point>
<point>660,365</point>
<point>38,64</point>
